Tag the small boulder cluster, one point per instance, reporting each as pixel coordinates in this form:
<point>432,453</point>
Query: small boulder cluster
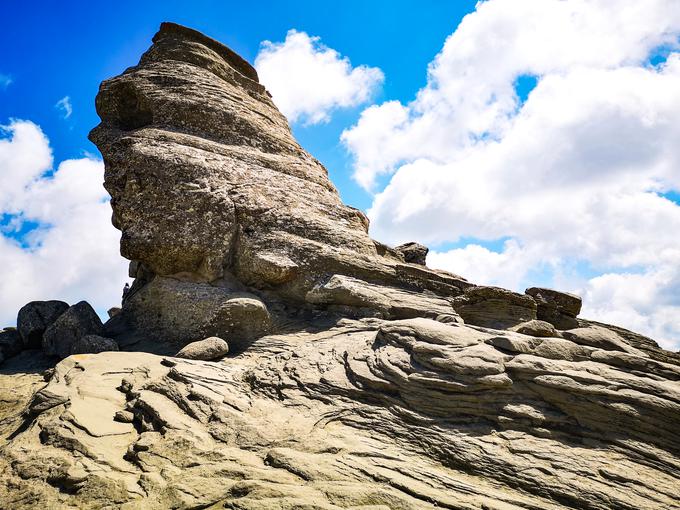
<point>58,329</point>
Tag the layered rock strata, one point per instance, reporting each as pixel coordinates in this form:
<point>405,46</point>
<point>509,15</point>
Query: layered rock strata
<point>209,188</point>
<point>356,376</point>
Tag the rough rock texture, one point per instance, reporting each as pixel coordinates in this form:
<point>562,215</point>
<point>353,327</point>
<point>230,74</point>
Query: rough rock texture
<point>414,253</point>
<point>558,308</point>
<point>92,344</point>
<point>494,307</point>
<point>357,380</point>
<point>210,188</point>
<point>76,322</point>
<point>404,414</point>
<point>11,343</point>
<point>35,317</point>
<point>536,328</point>
<point>211,348</point>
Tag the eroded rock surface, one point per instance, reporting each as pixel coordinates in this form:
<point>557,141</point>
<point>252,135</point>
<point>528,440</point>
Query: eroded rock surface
<point>35,317</point>
<point>210,188</point>
<point>209,349</point>
<point>356,377</point>
<point>368,414</point>
<point>70,327</point>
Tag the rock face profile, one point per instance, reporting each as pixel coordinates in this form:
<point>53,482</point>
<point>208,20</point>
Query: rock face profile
<point>344,374</point>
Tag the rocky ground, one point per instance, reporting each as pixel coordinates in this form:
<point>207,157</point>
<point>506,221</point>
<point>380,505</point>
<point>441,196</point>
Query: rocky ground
<point>270,355</point>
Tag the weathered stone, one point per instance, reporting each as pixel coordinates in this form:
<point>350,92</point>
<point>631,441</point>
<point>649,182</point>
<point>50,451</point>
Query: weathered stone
<point>208,183</point>
<point>377,300</point>
<point>536,328</point>
<point>415,414</point>
<point>92,344</point>
<point>208,349</point>
<point>600,337</point>
<point>413,253</point>
<point>76,322</point>
<point>558,308</point>
<point>124,417</point>
<point>113,311</point>
<point>233,230</point>
<point>35,317</point>
<point>494,307</point>
<point>11,343</point>
<point>178,312</point>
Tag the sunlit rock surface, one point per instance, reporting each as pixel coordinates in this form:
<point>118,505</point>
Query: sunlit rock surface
<point>356,376</point>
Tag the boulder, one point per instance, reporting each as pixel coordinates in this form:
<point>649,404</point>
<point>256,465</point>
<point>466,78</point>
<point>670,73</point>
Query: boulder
<point>360,298</point>
<point>92,344</point>
<point>558,308</point>
<point>493,307</point>
<point>113,311</point>
<point>177,312</point>
<point>209,349</point>
<point>76,322</point>
<point>536,328</point>
<point>413,253</point>
<point>35,317</point>
<point>601,338</point>
<point>11,343</point>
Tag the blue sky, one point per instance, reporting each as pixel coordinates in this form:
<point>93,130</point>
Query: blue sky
<point>526,142</point>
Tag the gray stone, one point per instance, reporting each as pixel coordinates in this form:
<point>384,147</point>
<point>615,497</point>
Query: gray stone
<point>76,322</point>
<point>92,344</point>
<point>494,307</point>
<point>413,253</point>
<point>11,343</point>
<point>558,308</point>
<point>376,300</point>
<point>209,349</point>
<point>536,328</point>
<point>35,317</point>
<point>177,312</point>
<point>113,311</point>
<point>208,184</point>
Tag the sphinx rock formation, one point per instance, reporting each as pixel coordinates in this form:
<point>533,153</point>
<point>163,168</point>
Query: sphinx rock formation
<point>357,377</point>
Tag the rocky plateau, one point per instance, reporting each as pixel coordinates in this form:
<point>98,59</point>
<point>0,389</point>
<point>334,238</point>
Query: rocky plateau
<point>271,355</point>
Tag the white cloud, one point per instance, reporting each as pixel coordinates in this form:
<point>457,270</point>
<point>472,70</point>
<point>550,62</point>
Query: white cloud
<point>73,253</point>
<point>571,177</point>
<point>5,81</point>
<point>64,104</point>
<point>309,80</point>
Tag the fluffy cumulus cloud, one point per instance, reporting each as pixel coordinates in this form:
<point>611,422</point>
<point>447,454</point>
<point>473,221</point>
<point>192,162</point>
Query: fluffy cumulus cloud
<point>309,80</point>
<point>56,238</point>
<point>579,178</point>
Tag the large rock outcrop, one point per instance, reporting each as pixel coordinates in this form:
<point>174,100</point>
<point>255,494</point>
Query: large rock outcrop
<point>356,376</point>
<point>208,185</point>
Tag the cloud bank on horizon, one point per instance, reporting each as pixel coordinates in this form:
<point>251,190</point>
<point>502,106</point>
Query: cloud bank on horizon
<point>572,182</point>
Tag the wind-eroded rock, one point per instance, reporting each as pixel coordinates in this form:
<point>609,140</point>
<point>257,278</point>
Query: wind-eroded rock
<point>207,180</point>
<point>35,317</point>
<point>370,414</point>
<point>76,322</point>
<point>358,378</point>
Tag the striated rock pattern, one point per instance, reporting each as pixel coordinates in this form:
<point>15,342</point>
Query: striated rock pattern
<point>208,185</point>
<point>355,377</point>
